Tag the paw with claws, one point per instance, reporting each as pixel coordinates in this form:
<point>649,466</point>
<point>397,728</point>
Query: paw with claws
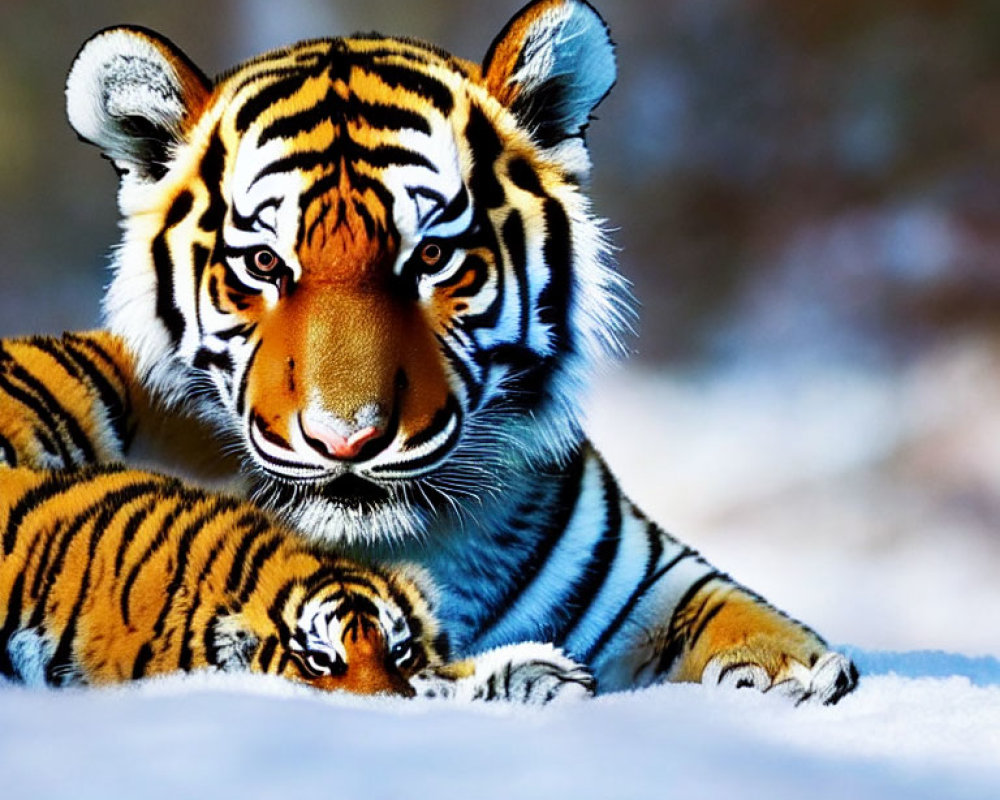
<point>529,674</point>
<point>824,683</point>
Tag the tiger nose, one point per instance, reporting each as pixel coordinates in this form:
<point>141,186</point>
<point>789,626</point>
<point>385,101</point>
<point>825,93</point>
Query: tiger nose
<point>324,436</point>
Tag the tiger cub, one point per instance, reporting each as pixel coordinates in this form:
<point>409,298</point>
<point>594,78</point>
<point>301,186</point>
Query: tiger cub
<point>109,574</point>
<point>371,270</point>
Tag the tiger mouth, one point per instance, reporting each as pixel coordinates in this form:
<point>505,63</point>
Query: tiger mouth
<point>353,491</point>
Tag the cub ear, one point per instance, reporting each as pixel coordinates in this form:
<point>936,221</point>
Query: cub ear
<point>134,94</point>
<point>551,65</point>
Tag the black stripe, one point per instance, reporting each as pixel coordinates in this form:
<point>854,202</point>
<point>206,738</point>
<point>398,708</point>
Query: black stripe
<point>11,623</point>
<point>563,506</point>
<point>49,346</point>
<point>266,652</point>
<point>185,658</point>
<point>142,659</point>
<point>59,668</point>
<point>512,233</point>
<point>206,359</point>
<point>241,394</point>
<point>260,558</point>
<point>481,272</point>
<point>473,388</point>
<point>213,163</point>
<point>651,574</point>
<point>53,571</point>
<point>136,519</point>
<point>256,526</point>
<point>208,635</point>
<point>55,442</point>
<point>706,618</point>
<point>302,121</point>
<point>43,558</point>
<point>675,646</point>
<point>199,260</point>
<point>419,82</point>
<point>69,422</point>
<point>85,342</point>
<point>250,222</point>
<point>243,329</point>
<point>166,303</point>
<point>385,116</point>
<point>274,611</point>
<point>148,552</point>
<point>265,98</point>
<point>387,155</point>
<point>182,551</point>
<point>117,405</point>
<point>459,203</point>
<point>437,424</point>
<point>429,459</point>
<point>524,177</point>
<point>104,509</point>
<point>303,161</point>
<point>595,573</point>
<point>53,485</point>
<point>556,298</point>
<point>486,148</point>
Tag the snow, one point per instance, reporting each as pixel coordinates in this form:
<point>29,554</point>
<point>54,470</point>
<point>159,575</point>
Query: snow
<point>857,500</point>
<point>900,735</point>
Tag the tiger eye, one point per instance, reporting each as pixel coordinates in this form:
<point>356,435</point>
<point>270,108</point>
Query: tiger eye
<point>431,254</point>
<point>265,260</point>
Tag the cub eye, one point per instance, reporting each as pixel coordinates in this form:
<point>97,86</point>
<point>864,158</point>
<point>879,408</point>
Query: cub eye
<point>318,663</point>
<point>401,651</point>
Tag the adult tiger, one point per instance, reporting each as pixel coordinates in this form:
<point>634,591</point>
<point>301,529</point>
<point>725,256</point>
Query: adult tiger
<point>372,267</point>
<point>109,574</point>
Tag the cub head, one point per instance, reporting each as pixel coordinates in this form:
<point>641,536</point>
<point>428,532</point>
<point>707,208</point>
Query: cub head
<point>369,262</point>
<point>340,628</point>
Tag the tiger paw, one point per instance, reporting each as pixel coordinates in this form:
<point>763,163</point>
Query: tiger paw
<point>831,677</point>
<point>530,674</point>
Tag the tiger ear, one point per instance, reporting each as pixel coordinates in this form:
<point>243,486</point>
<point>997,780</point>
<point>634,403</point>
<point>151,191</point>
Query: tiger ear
<point>134,94</point>
<point>551,66</point>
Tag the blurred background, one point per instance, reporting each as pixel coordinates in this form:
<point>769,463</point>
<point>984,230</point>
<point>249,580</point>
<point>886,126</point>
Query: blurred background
<point>806,194</point>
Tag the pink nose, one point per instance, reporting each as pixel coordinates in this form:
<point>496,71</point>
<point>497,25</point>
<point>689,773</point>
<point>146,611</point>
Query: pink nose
<point>334,444</point>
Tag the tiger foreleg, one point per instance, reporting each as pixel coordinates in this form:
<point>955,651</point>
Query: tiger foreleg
<point>726,636</point>
<point>529,673</point>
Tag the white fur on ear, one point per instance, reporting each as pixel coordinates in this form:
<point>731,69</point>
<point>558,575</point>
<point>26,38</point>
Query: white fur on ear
<point>132,93</point>
<point>551,65</point>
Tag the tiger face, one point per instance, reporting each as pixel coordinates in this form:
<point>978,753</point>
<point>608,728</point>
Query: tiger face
<point>368,262</point>
<point>340,637</point>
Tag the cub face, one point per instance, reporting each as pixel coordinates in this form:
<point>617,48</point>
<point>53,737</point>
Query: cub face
<point>368,262</point>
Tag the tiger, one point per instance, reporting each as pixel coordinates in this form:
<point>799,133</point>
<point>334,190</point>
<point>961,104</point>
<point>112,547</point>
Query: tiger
<point>110,574</point>
<point>365,278</point>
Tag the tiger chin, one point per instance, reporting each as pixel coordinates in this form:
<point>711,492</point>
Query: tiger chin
<point>109,574</point>
<point>372,268</point>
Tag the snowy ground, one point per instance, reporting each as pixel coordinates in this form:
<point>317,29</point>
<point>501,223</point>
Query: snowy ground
<point>861,503</point>
<point>905,737</point>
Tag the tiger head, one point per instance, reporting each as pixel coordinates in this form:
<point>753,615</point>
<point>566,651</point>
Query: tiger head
<point>369,262</point>
<point>338,630</point>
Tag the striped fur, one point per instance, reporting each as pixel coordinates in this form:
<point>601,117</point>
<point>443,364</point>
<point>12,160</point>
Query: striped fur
<point>109,574</point>
<point>372,268</point>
